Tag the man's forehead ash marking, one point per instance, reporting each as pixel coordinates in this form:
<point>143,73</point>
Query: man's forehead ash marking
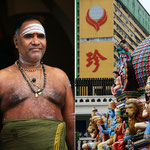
<point>34,27</point>
<point>33,24</point>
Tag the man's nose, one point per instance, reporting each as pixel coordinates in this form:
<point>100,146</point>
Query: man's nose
<point>35,40</point>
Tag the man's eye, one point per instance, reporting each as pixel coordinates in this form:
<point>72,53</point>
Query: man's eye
<point>28,36</point>
<point>41,36</point>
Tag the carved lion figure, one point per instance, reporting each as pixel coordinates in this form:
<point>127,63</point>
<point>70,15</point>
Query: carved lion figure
<point>92,128</point>
<point>134,110</point>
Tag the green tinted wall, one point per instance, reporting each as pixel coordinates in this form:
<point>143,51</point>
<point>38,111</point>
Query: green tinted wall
<point>137,10</point>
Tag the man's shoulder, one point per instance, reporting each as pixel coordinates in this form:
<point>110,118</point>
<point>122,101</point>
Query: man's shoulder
<point>4,73</point>
<point>58,75</point>
<point>56,71</point>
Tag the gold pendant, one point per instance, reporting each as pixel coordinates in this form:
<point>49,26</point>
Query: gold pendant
<point>39,93</point>
<point>36,95</point>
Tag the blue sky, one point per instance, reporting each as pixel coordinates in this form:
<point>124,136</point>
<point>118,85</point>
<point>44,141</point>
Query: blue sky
<point>146,4</point>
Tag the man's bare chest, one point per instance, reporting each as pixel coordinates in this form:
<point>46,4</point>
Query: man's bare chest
<point>17,92</point>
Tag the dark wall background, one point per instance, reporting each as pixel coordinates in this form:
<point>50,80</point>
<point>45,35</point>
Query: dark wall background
<point>58,19</point>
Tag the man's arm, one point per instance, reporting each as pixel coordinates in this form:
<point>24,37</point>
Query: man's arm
<point>1,121</point>
<point>1,116</point>
<point>68,116</point>
<point>3,76</point>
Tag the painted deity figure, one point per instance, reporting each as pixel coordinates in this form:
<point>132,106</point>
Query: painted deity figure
<point>146,113</point>
<point>123,52</point>
<point>119,131</point>
<point>117,86</point>
<point>95,129</point>
<point>94,133</point>
<point>102,136</point>
<point>110,130</point>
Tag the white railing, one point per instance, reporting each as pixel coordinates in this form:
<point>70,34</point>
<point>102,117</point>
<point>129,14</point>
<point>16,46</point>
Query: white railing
<point>85,104</point>
<point>93,100</point>
<point>83,140</point>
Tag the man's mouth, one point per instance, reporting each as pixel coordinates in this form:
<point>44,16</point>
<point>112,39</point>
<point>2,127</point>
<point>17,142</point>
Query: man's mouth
<point>35,49</point>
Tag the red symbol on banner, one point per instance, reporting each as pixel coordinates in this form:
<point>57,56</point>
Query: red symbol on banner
<point>96,16</point>
<point>94,57</point>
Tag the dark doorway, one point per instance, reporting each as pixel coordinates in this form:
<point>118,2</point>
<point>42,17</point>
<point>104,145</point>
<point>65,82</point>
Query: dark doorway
<point>59,30</point>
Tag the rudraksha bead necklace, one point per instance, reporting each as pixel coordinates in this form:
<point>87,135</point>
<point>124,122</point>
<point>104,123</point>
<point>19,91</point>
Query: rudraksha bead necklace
<point>39,91</point>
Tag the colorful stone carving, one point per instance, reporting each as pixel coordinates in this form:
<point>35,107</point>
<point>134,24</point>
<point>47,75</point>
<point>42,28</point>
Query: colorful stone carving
<point>117,86</point>
<point>119,143</point>
<point>133,101</point>
<point>110,131</point>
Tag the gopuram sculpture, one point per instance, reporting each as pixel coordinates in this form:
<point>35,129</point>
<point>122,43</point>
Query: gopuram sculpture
<point>128,124</point>
<point>96,126</point>
<point>123,53</point>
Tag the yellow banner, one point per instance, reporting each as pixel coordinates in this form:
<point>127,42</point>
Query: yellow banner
<point>96,59</point>
<point>96,18</point>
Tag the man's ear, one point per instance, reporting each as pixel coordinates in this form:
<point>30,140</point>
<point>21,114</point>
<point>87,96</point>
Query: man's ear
<point>15,41</point>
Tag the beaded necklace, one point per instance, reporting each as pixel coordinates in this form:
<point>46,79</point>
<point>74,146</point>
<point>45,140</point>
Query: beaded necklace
<point>39,91</point>
<point>33,80</point>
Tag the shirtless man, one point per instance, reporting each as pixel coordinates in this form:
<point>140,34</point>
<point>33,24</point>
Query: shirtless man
<point>36,99</point>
